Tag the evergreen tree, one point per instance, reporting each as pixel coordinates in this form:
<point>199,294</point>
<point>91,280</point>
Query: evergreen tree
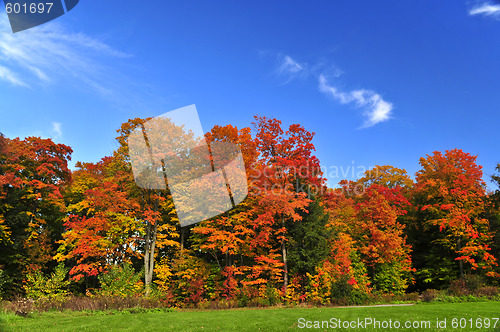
<point>308,240</point>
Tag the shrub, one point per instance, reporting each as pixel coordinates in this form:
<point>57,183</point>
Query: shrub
<point>488,291</point>
<point>392,278</point>
<point>83,303</point>
<point>344,293</point>
<point>272,294</point>
<point>473,282</point>
<point>379,298</point>
<point>430,295</point>
<point>163,275</point>
<point>54,287</point>
<point>468,286</point>
<point>21,307</point>
<point>189,285</point>
<point>3,283</point>
<point>218,304</point>
<point>458,288</point>
<point>294,292</point>
<point>410,297</point>
<point>99,303</point>
<point>121,281</point>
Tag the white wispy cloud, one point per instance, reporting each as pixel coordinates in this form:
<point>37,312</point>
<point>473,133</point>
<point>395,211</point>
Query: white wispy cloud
<point>486,9</point>
<point>7,75</point>
<point>290,66</point>
<point>51,53</point>
<point>57,130</point>
<point>376,109</point>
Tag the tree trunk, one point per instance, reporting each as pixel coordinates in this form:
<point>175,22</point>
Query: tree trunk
<point>373,274</point>
<point>149,256</point>
<point>182,238</point>
<point>149,251</point>
<point>146,260</point>
<point>285,261</point>
<point>460,262</point>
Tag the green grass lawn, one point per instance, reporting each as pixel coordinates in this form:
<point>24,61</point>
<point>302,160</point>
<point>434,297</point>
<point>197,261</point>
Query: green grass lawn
<point>274,319</point>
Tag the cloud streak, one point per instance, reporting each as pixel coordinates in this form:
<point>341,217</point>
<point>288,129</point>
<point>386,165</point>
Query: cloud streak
<point>7,75</point>
<point>51,53</point>
<point>290,66</point>
<point>57,130</point>
<point>290,69</point>
<point>376,109</point>
<point>485,9</point>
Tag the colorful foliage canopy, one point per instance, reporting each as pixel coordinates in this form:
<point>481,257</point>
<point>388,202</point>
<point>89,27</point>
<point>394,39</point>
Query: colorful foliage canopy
<point>450,196</point>
<point>291,239</point>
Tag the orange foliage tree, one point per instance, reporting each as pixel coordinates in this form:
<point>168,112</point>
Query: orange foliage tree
<point>33,175</point>
<point>102,226</point>
<point>381,239</point>
<point>450,194</point>
<point>285,174</point>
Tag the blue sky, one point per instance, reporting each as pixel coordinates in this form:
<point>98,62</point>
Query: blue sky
<point>379,82</point>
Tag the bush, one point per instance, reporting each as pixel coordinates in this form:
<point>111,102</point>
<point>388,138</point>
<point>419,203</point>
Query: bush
<point>458,288</point>
<point>468,286</point>
<point>272,295</point>
<point>121,281</point>
<point>54,287</point>
<point>379,298</point>
<point>218,304</point>
<point>473,282</point>
<point>19,306</point>
<point>3,283</point>
<point>488,291</point>
<point>83,303</point>
<point>189,286</point>
<point>100,303</point>
<point>391,278</point>
<point>430,295</point>
<point>344,293</point>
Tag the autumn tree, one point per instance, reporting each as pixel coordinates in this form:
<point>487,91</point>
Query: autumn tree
<point>156,211</point>
<point>101,223</point>
<point>33,175</point>
<point>381,237</point>
<point>113,220</point>
<point>449,194</point>
<point>343,268</point>
<point>285,166</point>
<point>387,176</point>
<point>226,237</point>
<point>4,229</point>
<point>280,169</point>
<point>496,177</point>
<point>493,214</point>
<point>3,143</point>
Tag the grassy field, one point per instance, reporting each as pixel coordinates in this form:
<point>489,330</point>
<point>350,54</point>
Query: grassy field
<point>273,319</point>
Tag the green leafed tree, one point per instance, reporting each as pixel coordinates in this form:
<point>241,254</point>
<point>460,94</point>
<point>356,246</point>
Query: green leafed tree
<point>309,239</point>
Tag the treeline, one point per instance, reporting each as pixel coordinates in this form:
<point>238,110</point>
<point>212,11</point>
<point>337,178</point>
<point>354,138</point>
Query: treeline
<point>94,231</point>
